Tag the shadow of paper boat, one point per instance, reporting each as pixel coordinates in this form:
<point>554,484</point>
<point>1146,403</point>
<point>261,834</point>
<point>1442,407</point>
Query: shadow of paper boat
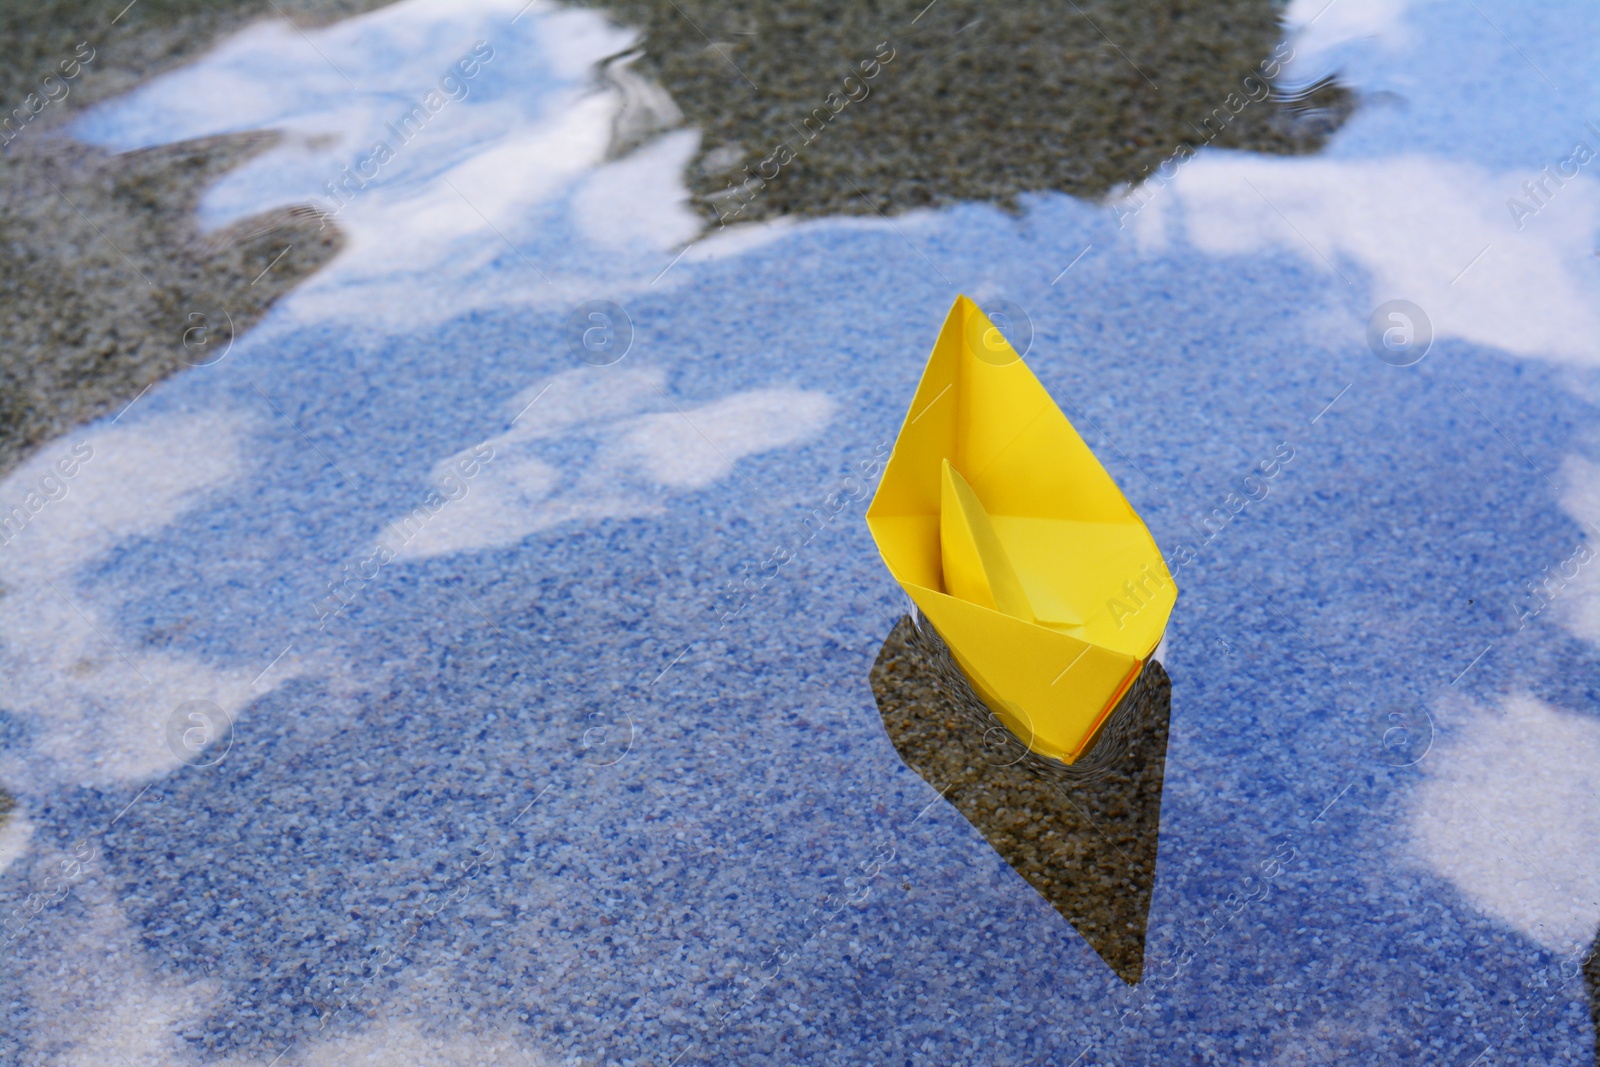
<point>1014,542</point>
<point>1085,839</point>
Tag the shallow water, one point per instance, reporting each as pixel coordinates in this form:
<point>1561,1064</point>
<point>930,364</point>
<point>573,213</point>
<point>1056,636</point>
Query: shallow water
<point>520,790</point>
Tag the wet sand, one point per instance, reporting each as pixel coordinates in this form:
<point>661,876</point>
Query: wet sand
<point>106,283</point>
<point>826,108</point>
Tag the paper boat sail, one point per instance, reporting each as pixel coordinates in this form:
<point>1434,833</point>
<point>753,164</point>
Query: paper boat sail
<point>1014,542</point>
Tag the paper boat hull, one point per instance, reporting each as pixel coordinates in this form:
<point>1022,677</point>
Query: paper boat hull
<point>1052,691</point>
<point>1097,594</point>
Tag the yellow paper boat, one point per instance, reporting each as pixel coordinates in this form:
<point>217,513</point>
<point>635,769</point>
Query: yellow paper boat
<point>1016,545</point>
